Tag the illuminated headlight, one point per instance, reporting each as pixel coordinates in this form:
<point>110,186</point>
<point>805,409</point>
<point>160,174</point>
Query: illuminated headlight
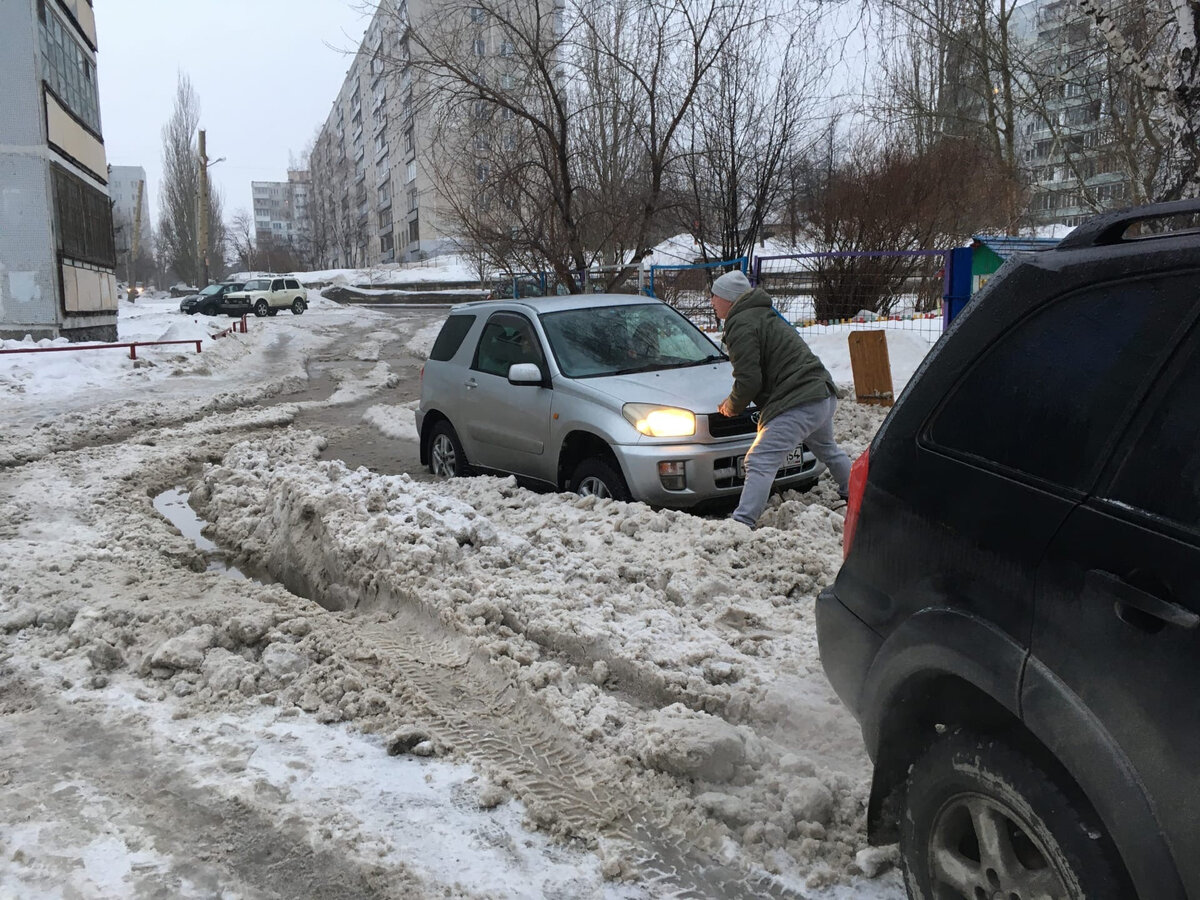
<point>660,421</point>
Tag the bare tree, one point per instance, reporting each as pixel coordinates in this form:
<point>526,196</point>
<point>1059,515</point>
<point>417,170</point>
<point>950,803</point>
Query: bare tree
<point>520,89</point>
<point>743,132</point>
<point>952,67</point>
<point>883,196</point>
<point>1158,46</point>
<point>240,237</point>
<point>179,196</point>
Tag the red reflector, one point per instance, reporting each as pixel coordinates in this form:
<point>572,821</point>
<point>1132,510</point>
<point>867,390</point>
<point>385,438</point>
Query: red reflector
<point>858,485</point>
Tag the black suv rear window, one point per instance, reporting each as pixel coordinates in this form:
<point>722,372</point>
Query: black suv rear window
<point>1047,397</point>
<point>451,336</point>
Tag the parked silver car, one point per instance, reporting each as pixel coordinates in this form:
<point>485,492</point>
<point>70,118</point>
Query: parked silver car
<point>606,394</point>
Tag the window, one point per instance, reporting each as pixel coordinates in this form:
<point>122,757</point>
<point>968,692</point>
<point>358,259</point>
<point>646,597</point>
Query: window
<point>386,243</point>
<point>408,141</point>
<point>83,218</point>
<point>68,70</point>
<point>482,171</point>
<point>479,47</point>
<point>414,231</point>
<point>1047,397</point>
<point>412,199</point>
<point>385,194</point>
<point>450,338</point>
<point>410,174</point>
<point>292,284</point>
<point>277,284</point>
<point>507,340</point>
<point>507,48</point>
<point>477,14</point>
<point>1167,443</point>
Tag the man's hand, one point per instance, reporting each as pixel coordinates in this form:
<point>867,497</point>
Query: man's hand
<point>726,408</point>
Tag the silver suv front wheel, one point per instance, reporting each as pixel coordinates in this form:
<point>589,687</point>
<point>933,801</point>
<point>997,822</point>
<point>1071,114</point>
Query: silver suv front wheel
<point>597,478</point>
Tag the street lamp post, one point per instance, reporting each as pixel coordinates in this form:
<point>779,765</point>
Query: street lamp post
<point>205,165</point>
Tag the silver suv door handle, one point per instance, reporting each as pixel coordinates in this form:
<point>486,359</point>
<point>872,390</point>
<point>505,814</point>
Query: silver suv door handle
<point>472,384</point>
<point>1129,596</point>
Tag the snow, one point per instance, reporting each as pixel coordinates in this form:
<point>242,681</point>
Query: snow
<point>424,688</point>
<point>448,267</point>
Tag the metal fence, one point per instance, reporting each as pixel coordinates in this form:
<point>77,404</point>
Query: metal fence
<point>546,284</point>
<point>826,291</point>
<point>688,287</point>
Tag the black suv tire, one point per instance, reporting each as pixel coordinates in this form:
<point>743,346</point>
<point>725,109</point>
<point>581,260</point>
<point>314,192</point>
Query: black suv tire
<point>971,829</point>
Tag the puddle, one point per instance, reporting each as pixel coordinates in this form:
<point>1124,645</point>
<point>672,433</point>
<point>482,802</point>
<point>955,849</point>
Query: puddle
<point>173,506</point>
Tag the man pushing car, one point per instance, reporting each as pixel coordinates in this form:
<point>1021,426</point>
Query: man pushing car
<point>774,369</point>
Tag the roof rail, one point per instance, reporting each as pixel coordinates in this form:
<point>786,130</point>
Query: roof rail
<point>1110,228</point>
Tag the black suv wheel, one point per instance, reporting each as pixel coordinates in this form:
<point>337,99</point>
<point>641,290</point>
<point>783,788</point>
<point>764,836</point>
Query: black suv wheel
<point>972,832</point>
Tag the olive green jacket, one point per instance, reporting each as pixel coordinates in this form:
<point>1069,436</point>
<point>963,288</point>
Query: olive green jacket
<point>772,366</point>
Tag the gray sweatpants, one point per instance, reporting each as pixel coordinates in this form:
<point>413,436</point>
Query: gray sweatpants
<point>808,423</point>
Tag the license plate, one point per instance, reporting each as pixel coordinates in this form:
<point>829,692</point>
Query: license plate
<point>793,459</point>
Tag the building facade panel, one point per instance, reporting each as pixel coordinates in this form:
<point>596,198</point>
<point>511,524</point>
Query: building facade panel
<point>57,255</point>
<point>372,199</point>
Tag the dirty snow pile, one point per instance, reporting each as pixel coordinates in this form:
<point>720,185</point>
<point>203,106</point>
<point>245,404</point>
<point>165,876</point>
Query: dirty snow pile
<point>687,644</point>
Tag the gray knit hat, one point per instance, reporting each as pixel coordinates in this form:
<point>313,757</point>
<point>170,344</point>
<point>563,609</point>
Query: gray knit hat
<point>731,285</point>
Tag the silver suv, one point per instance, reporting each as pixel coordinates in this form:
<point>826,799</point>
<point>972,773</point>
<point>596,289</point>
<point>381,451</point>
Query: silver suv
<point>612,395</point>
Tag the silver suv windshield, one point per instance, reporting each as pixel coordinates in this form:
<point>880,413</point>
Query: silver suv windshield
<point>261,284</point>
<point>618,340</point>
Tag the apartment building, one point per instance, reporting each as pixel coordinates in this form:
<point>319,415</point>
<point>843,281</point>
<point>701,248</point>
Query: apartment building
<point>57,251</point>
<point>1071,151</point>
<point>373,199</point>
<point>281,211</point>
<point>123,182</point>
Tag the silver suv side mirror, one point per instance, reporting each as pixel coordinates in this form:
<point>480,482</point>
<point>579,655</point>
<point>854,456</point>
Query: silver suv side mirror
<point>524,373</point>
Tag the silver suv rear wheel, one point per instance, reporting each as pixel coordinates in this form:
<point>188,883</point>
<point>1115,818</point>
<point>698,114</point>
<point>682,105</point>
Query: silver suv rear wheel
<point>446,457</point>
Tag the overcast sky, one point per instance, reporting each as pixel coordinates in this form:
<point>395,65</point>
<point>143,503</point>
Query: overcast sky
<point>266,71</point>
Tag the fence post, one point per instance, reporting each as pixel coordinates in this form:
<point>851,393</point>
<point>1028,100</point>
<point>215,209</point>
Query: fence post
<point>957,283</point>
<point>197,346</point>
<point>133,351</point>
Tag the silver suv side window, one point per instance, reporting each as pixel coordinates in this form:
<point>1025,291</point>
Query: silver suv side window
<point>451,336</point>
<point>277,284</point>
<point>292,284</point>
<point>507,339</point>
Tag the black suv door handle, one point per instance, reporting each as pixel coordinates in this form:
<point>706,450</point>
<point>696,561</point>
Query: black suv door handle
<point>1143,601</point>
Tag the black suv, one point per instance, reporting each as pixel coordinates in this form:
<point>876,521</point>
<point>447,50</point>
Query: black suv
<point>1015,623</point>
<point>209,302</point>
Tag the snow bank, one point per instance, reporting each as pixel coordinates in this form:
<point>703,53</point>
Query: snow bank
<point>708,624</point>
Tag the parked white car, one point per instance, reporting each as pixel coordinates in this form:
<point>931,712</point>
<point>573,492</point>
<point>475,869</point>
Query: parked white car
<point>266,297</point>
<point>611,395</point>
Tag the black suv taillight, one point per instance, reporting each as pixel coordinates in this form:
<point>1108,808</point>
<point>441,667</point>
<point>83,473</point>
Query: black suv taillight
<point>858,486</point>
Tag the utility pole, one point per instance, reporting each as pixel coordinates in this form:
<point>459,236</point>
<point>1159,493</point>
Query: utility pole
<point>203,236</point>
<point>137,232</point>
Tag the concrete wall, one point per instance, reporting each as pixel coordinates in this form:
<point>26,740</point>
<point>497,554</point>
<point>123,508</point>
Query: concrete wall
<point>40,296</point>
<point>28,265</point>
